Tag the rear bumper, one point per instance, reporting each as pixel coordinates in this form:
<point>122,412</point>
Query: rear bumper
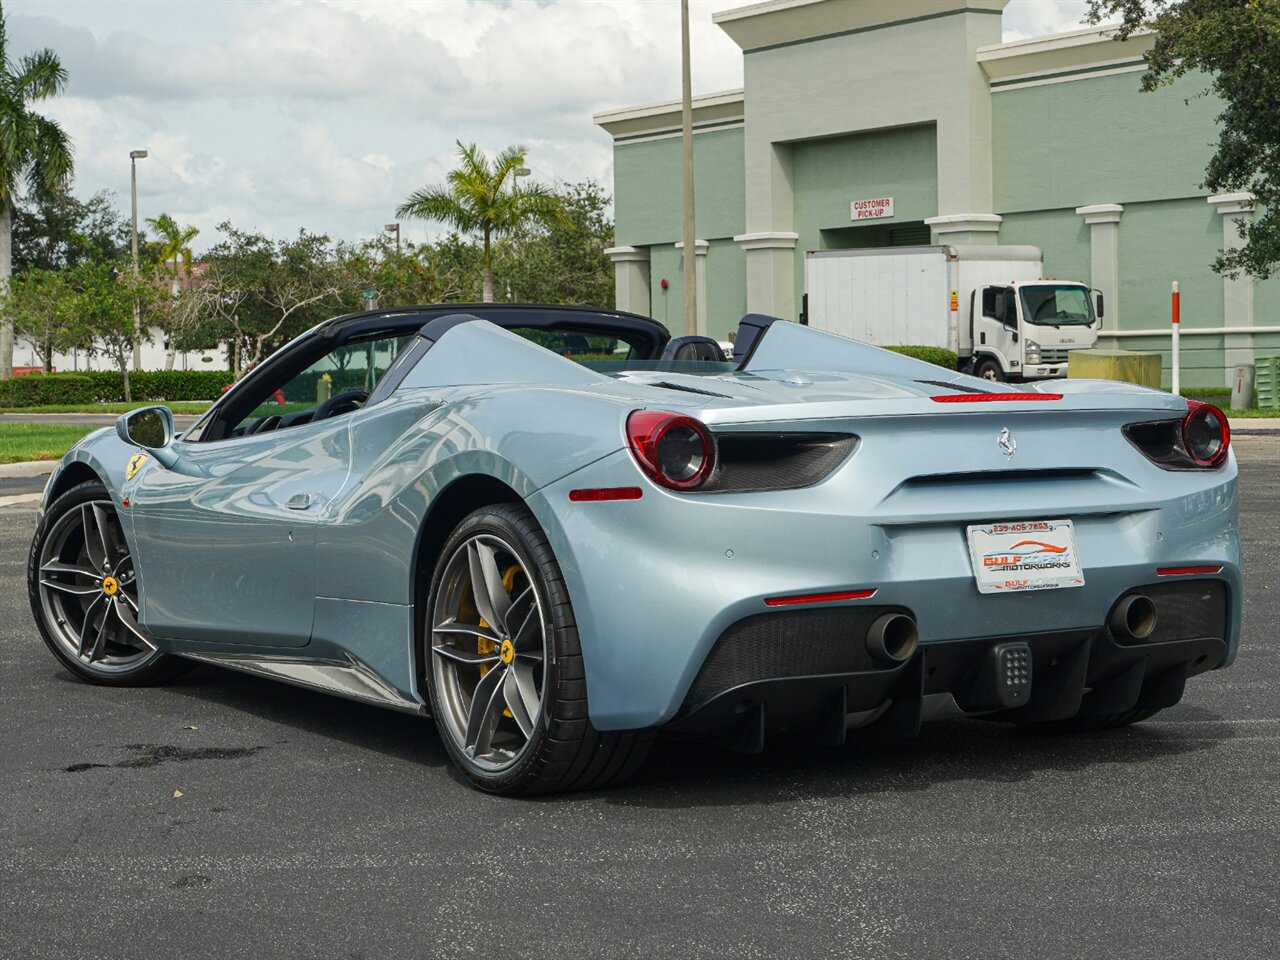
<point>656,582</point>
<point>807,674</point>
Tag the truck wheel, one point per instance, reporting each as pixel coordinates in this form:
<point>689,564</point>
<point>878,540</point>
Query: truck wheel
<point>988,369</point>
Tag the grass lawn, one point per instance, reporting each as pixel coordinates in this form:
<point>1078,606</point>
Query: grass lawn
<point>1252,414</point>
<point>38,441</point>
<point>181,406</point>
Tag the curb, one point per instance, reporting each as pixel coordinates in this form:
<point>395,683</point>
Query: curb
<point>29,468</point>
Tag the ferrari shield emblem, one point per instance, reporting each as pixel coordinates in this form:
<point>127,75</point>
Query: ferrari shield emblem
<point>135,464</point>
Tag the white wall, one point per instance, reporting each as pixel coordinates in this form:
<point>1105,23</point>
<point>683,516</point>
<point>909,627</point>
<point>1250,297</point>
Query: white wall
<point>153,357</point>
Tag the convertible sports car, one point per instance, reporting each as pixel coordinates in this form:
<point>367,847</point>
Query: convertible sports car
<point>559,531</point>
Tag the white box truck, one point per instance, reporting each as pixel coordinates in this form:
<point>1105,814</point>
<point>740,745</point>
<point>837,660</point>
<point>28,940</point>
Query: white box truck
<point>991,305</point>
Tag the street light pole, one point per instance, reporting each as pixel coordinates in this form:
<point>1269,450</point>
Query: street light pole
<point>394,228</point>
<point>690,227</point>
<point>134,157</point>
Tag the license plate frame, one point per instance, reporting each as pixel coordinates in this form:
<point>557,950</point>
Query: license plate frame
<point>1022,555</point>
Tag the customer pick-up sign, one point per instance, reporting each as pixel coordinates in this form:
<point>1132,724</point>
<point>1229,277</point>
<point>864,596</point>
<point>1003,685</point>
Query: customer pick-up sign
<point>881,208</point>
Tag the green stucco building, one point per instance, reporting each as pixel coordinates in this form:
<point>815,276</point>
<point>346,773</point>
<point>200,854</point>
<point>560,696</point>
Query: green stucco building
<point>1045,141</point>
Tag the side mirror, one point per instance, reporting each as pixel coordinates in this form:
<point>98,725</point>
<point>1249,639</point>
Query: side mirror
<point>150,428</point>
<point>1098,304</point>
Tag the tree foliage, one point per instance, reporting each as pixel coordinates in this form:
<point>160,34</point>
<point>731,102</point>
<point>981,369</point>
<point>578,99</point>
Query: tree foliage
<point>1237,44</point>
<point>59,230</point>
<point>34,150</point>
<point>42,305</point>
<point>484,197</point>
<point>105,296</point>
<point>400,278</point>
<point>256,294</point>
<point>174,241</point>
<point>562,260</point>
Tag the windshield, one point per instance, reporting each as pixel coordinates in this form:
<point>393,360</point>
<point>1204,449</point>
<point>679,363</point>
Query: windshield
<point>1051,305</point>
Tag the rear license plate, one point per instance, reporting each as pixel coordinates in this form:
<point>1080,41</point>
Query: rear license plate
<point>1026,555</point>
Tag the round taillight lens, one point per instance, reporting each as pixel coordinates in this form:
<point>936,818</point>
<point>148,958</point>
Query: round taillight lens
<point>1205,433</point>
<point>675,450</point>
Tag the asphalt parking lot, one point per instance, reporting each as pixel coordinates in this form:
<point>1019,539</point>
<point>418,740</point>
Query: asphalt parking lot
<point>314,827</point>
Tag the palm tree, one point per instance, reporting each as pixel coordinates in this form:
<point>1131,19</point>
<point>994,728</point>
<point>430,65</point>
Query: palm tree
<point>33,149</point>
<point>174,240</point>
<point>174,243</point>
<point>483,196</point>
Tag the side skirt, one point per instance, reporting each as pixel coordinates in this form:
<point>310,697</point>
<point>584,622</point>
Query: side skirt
<point>348,678</point>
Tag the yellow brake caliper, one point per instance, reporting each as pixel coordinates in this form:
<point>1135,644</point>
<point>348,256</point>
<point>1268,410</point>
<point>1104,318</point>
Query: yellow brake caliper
<point>486,647</point>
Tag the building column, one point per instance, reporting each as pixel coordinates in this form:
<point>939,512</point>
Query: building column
<point>771,272</point>
<point>631,278</point>
<point>700,278</point>
<point>1237,294</point>
<point>1104,257</point>
<point>965,228</point>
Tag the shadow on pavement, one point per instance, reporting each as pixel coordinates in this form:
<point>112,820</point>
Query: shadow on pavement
<point>692,773</point>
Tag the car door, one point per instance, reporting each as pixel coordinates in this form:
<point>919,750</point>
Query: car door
<point>226,544</point>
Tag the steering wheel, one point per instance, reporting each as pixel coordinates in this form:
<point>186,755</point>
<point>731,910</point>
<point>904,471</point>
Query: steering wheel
<point>269,422</point>
<point>343,402</point>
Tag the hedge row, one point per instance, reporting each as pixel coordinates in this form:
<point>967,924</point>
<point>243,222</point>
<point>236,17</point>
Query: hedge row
<point>107,386</point>
<point>934,355</point>
<point>37,391</point>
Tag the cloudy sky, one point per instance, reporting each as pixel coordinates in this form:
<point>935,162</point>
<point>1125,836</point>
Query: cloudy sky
<point>328,113</point>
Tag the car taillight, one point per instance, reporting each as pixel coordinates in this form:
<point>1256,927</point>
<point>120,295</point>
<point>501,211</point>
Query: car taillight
<point>675,450</point>
<point>1205,434</point>
<point>1198,441</point>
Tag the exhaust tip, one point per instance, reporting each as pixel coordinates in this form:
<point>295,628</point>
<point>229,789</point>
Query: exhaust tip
<point>1134,617</point>
<point>892,637</point>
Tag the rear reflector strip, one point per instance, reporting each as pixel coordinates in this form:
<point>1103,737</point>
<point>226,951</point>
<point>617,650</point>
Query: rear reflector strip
<point>596,494</point>
<point>1016,397</point>
<point>1187,571</point>
<point>819,598</point>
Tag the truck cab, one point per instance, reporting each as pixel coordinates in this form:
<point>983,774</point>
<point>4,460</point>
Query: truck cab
<point>1024,329</point>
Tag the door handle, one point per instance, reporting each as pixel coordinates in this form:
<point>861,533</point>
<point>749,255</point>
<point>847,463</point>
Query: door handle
<point>300,501</point>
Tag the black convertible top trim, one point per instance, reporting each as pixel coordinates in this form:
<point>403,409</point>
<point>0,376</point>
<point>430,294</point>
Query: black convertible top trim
<point>351,326</point>
<point>507,315</point>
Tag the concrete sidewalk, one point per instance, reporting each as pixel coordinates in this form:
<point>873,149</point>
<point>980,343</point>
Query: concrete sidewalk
<point>31,468</point>
<point>1262,426</point>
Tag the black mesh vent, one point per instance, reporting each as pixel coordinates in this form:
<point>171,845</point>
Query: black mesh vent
<point>1186,610</point>
<point>795,643</point>
<point>776,461</point>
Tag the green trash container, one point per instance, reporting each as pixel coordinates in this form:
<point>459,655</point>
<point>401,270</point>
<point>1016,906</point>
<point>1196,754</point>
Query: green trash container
<point>1267,382</point>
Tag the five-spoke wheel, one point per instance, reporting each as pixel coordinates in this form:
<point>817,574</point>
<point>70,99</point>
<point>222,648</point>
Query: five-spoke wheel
<point>504,666</point>
<point>84,592</point>
<point>488,644</point>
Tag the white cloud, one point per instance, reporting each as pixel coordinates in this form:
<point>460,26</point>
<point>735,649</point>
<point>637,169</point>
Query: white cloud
<point>1035,18</point>
<point>327,114</point>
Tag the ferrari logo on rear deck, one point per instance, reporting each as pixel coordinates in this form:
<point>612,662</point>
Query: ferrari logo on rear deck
<point>135,464</point>
<point>1008,446</point>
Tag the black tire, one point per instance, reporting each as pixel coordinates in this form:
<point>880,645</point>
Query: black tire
<point>989,369</point>
<point>148,667</point>
<point>564,751</point>
<point>1087,724</point>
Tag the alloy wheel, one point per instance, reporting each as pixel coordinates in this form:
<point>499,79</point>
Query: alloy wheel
<point>488,647</point>
<point>88,590</point>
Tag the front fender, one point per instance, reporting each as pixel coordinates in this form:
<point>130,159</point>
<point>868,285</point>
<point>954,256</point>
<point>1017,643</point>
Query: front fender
<point>101,454</point>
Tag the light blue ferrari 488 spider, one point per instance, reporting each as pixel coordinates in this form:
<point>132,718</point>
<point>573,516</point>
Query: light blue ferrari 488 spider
<point>560,532</point>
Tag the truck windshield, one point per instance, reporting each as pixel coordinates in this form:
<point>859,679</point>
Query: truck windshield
<point>1052,305</point>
